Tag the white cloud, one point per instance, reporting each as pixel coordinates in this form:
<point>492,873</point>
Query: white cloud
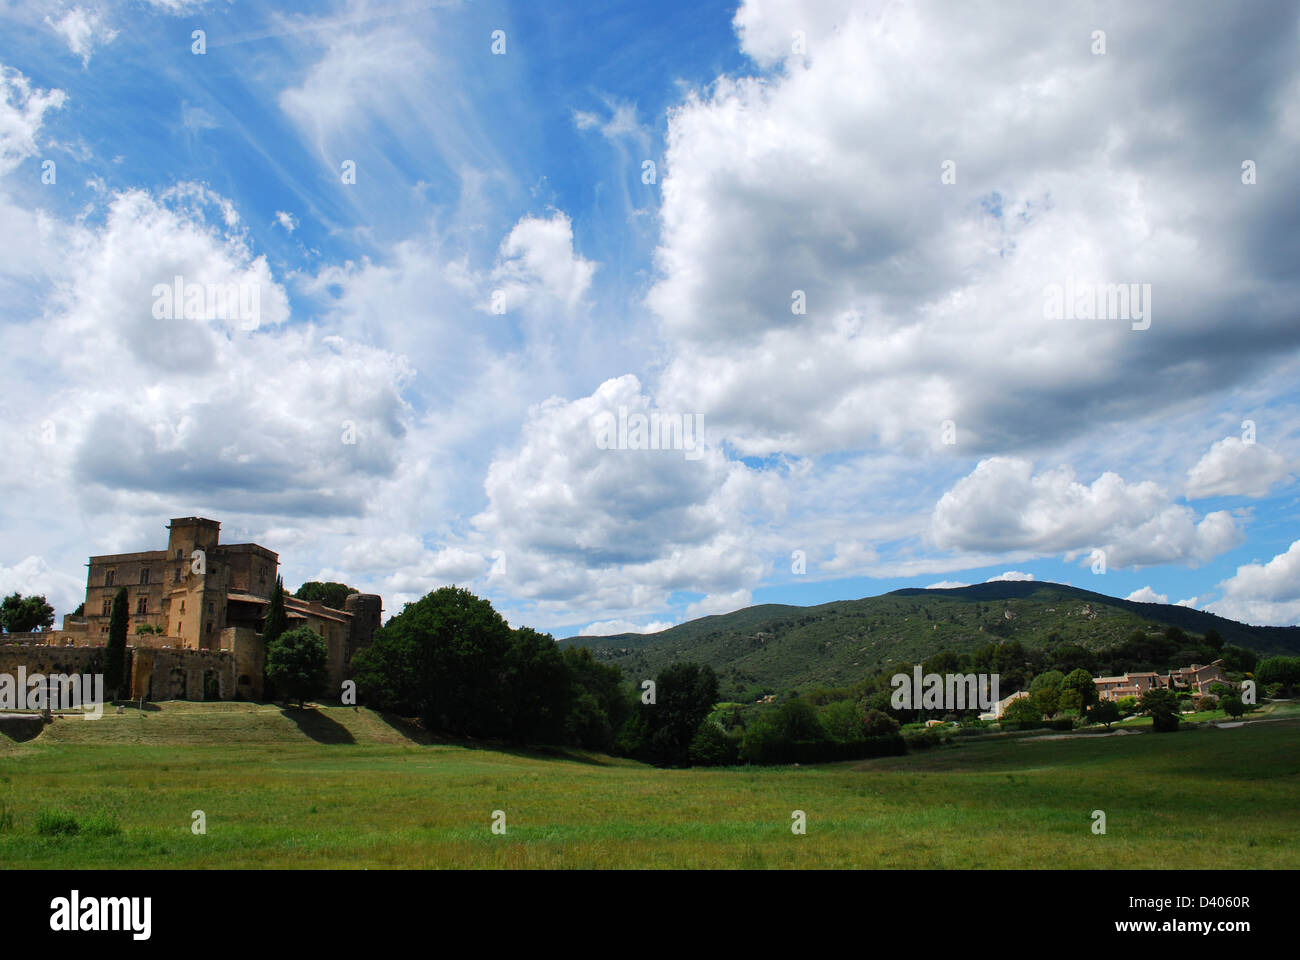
<point>286,220</point>
<point>1234,468</point>
<point>947,585</point>
<point>1010,575</point>
<point>1003,505</point>
<point>1189,602</point>
<point>82,30</point>
<point>850,557</point>
<point>33,575</point>
<point>1263,593</point>
<point>715,604</point>
<point>537,259</point>
<point>609,628</point>
<point>1147,595</point>
<point>22,111</point>
<point>925,301</point>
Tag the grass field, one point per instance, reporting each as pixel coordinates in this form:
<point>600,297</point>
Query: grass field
<point>344,788</point>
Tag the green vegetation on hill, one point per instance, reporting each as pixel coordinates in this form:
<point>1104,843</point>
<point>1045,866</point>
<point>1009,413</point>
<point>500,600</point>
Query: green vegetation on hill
<point>774,648</point>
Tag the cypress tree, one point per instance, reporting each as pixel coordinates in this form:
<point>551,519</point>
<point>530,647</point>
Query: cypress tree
<point>276,623</point>
<point>115,653</point>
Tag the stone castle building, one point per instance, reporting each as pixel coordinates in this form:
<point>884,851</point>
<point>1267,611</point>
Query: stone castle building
<point>206,604</point>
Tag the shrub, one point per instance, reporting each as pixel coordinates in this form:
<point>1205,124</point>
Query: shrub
<point>54,823</point>
<point>1063,723</point>
<point>711,747</point>
<point>101,824</point>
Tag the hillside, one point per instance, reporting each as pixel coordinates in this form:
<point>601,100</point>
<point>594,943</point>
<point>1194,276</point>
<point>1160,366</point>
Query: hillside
<point>793,648</point>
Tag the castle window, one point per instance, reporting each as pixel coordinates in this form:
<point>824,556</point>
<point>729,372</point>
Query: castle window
<point>108,607</point>
<point>142,605</point>
<point>182,606</point>
<point>108,577</point>
<point>211,607</point>
<point>180,554</point>
<point>209,626</point>
<point>144,576</point>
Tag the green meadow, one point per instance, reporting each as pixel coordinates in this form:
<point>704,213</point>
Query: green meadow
<point>340,787</point>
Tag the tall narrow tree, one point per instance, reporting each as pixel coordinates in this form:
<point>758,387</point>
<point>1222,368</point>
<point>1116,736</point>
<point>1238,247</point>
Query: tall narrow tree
<point>276,623</point>
<point>115,652</point>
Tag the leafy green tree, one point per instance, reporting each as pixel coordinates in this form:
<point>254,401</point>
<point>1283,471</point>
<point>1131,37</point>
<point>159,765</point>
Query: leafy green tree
<point>539,688</point>
<point>843,721</point>
<point>796,720</point>
<point>1050,680</point>
<point>685,694</point>
<point>297,662</point>
<point>1081,682</point>
<point>711,747</point>
<point>115,652</point>
<point>601,705</point>
<point>1047,700</point>
<point>1070,699</point>
<point>877,723</point>
<point>1103,711</point>
<point>1283,670</point>
<point>330,593</point>
<point>1232,705</point>
<point>1127,706</point>
<point>1023,712</point>
<point>1162,705</point>
<point>442,658</point>
<point>81,609</point>
<point>19,614</point>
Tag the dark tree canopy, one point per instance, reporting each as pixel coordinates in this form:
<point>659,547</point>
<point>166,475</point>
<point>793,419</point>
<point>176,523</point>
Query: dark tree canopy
<point>19,614</point>
<point>329,593</point>
<point>297,663</point>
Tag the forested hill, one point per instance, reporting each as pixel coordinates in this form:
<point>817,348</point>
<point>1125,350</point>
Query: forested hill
<point>785,647</point>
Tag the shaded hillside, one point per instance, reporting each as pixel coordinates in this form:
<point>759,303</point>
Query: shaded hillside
<point>780,648</point>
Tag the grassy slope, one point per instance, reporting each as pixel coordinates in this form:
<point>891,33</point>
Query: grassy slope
<point>793,648</point>
<point>275,796</point>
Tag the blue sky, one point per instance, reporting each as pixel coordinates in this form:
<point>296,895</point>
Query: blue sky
<point>827,231</point>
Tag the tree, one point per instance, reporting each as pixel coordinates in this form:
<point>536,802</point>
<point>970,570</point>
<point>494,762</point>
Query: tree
<point>19,614</point>
<point>1047,700</point>
<point>1127,706</point>
<point>711,747</point>
<point>843,721</point>
<point>442,658</point>
<point>273,626</point>
<point>1283,670</point>
<point>877,723</point>
<point>1050,680</point>
<point>1103,711</point>
<point>1162,705</point>
<point>1081,681</point>
<point>1023,712</point>
<point>1232,706</point>
<point>600,705</point>
<point>276,622</point>
<point>115,652</point>
<point>297,662</point>
<point>796,720</point>
<point>330,593</point>
<point>539,688</point>
<point>685,694</point>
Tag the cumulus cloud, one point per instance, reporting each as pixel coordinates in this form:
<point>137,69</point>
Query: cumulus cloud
<point>924,301</point>
<point>1010,575</point>
<point>286,220</point>
<point>610,628</point>
<point>537,259</point>
<point>1003,505</point>
<point>618,528</point>
<point>1147,595</point>
<point>947,585</point>
<point>1232,467</point>
<point>1263,593</point>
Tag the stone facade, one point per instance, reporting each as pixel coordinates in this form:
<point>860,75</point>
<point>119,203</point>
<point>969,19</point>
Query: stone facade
<point>208,602</point>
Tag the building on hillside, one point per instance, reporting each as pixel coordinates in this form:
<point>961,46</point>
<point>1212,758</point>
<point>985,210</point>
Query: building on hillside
<point>1197,678</point>
<point>200,596</point>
